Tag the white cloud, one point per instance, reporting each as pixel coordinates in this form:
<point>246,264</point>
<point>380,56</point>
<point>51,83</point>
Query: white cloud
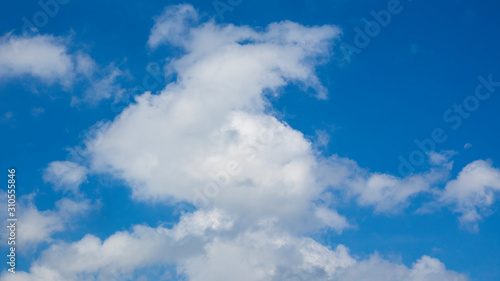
<point>388,193</point>
<point>322,138</point>
<point>38,226</point>
<point>42,56</point>
<point>332,219</point>
<point>50,59</point>
<point>391,194</point>
<point>123,252</point>
<point>425,269</point>
<point>65,175</point>
<point>85,65</point>
<point>35,226</point>
<point>441,158</point>
<point>172,25</point>
<point>101,88</point>
<point>473,192</point>
<point>199,222</point>
<point>219,253</point>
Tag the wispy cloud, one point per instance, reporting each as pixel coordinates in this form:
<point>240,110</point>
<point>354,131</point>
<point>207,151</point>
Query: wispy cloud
<point>50,60</point>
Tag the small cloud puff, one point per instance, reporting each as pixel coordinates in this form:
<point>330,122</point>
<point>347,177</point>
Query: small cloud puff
<point>65,175</point>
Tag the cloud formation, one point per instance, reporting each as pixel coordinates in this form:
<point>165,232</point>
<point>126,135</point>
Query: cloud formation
<point>36,226</point>
<point>42,56</point>
<point>473,192</point>
<point>260,187</point>
<point>205,246</point>
<point>50,59</point>
<point>65,175</point>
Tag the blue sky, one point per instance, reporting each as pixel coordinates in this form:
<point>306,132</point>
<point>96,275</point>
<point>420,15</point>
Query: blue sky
<point>342,110</point>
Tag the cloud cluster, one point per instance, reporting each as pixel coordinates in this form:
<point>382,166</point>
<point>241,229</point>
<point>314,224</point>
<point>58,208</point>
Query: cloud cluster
<point>260,186</point>
<point>209,137</point>
<point>207,245</point>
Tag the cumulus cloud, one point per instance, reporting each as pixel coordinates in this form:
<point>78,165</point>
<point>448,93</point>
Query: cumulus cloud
<point>425,269</point>
<point>65,175</point>
<point>332,219</point>
<point>441,158</point>
<point>51,60</point>
<point>42,56</point>
<point>473,192</point>
<point>205,246</point>
<point>389,194</point>
<point>35,226</point>
<point>214,119</point>
<point>210,139</point>
<point>38,226</point>
<point>172,25</point>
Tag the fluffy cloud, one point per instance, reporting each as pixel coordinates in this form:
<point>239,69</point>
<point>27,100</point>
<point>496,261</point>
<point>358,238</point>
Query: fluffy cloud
<point>389,194</point>
<point>208,138</point>
<point>65,175</point>
<point>43,56</point>
<point>35,226</point>
<point>425,269</point>
<point>217,249</point>
<point>50,59</point>
<point>38,226</point>
<point>473,192</point>
<point>172,24</point>
<point>123,252</point>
